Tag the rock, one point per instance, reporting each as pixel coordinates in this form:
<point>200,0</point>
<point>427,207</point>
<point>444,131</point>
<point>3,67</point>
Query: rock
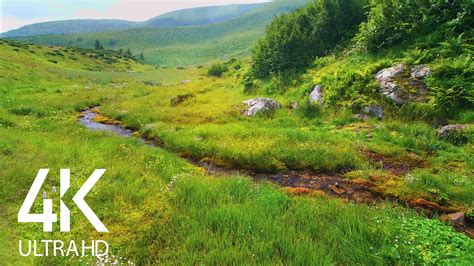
<point>389,80</point>
<point>336,188</point>
<point>185,81</point>
<point>446,131</point>
<point>424,204</point>
<point>151,83</point>
<point>316,96</point>
<point>293,105</point>
<point>386,78</point>
<point>375,110</point>
<point>362,182</point>
<point>454,218</point>
<point>180,99</point>
<point>258,105</point>
<point>469,232</point>
<point>420,71</point>
<point>457,220</point>
<point>389,73</point>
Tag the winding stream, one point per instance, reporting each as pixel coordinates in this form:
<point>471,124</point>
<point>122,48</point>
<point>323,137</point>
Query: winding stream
<point>335,185</point>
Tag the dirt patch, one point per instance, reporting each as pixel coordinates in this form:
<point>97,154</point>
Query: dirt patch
<point>397,166</point>
<point>335,185</point>
<point>179,99</point>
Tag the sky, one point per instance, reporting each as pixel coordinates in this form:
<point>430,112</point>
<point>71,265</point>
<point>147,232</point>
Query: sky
<point>18,13</point>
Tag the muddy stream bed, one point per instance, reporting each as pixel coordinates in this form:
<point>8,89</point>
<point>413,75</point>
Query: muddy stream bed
<point>296,182</point>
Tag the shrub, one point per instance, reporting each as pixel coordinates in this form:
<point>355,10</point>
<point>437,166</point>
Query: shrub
<point>458,138</point>
<point>391,22</point>
<point>217,70</point>
<point>294,40</point>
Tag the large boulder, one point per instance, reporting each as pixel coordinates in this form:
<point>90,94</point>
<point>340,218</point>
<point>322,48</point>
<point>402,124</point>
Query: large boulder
<point>390,80</point>
<point>259,105</point>
<point>316,95</point>
<point>446,131</point>
<point>388,86</point>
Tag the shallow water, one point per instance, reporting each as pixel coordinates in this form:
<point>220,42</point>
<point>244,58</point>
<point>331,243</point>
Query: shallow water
<point>87,119</point>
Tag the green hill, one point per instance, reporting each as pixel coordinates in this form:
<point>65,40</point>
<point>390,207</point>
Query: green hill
<point>183,46</point>
<point>70,26</point>
<point>200,15</point>
<point>184,17</point>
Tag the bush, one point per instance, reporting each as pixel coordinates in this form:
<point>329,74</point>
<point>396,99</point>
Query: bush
<point>217,70</point>
<point>458,138</point>
<point>392,22</point>
<point>294,40</point>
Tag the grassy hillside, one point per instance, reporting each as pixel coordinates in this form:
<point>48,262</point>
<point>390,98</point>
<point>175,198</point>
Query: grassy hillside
<point>170,211</point>
<point>183,46</point>
<point>391,34</point>
<point>69,26</point>
<point>200,15</point>
<point>185,17</point>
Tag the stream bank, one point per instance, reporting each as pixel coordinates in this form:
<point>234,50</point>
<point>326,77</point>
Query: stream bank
<point>295,182</point>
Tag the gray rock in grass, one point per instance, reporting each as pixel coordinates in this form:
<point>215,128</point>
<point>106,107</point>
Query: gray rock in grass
<point>316,95</point>
<point>259,105</point>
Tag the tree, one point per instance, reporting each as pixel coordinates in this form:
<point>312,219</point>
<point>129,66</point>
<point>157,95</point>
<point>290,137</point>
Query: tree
<point>128,53</point>
<point>98,45</point>
<point>142,58</point>
<point>120,51</point>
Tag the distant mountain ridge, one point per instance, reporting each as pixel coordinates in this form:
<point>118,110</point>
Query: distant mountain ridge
<point>70,26</point>
<point>200,15</point>
<point>184,17</point>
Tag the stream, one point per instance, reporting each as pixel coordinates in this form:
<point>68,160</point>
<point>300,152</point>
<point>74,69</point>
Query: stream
<point>294,182</point>
<point>306,182</point>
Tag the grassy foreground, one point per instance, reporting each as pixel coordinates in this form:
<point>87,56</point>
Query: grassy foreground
<point>160,209</point>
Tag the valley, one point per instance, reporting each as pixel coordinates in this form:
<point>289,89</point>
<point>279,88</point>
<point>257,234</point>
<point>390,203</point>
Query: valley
<point>184,45</point>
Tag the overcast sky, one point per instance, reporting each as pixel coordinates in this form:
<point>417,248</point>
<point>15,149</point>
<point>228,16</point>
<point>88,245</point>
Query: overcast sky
<point>17,13</point>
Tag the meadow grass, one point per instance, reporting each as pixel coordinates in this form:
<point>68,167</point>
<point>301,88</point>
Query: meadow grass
<point>211,126</point>
<point>161,209</point>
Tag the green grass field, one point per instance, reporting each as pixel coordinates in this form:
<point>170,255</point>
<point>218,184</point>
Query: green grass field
<point>159,208</point>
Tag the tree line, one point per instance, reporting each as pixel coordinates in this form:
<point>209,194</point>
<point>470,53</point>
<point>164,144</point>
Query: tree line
<point>127,53</point>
